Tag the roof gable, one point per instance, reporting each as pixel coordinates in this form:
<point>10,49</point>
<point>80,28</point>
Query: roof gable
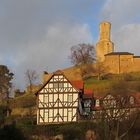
<point>59,76</point>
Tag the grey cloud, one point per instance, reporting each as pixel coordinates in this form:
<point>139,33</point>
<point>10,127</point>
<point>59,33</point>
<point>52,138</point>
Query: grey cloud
<point>52,52</point>
<point>37,34</point>
<point>24,20</point>
<point>121,12</point>
<point>127,38</point>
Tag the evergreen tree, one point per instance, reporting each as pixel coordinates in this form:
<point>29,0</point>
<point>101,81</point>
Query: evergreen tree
<point>5,81</point>
<point>5,84</point>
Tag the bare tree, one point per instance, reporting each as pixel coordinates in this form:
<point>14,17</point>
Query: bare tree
<point>115,113</point>
<point>31,77</point>
<point>83,55</point>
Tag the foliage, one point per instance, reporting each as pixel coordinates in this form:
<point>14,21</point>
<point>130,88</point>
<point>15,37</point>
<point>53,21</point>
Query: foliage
<point>3,109</point>
<point>26,100</point>
<point>5,81</point>
<point>119,87</point>
<point>86,70</point>
<point>18,93</point>
<point>100,70</point>
<point>83,56</point>
<point>71,132</point>
<point>11,132</point>
<point>5,85</point>
<point>26,124</point>
<point>31,77</point>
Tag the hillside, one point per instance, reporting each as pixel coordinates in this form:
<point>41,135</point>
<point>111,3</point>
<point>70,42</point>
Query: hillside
<point>129,81</point>
<point>24,107</point>
<point>72,73</point>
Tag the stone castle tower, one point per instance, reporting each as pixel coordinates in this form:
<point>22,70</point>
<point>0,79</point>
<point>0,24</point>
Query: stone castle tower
<point>104,45</point>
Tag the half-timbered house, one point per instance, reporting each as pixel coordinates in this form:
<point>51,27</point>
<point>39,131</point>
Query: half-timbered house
<point>111,107</point>
<point>58,100</point>
<point>61,100</point>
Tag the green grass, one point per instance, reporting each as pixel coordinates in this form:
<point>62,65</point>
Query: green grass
<point>26,100</point>
<point>98,86</point>
<point>116,83</point>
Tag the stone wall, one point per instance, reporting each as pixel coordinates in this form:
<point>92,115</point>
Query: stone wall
<point>136,64</point>
<point>112,63</point>
<point>120,63</point>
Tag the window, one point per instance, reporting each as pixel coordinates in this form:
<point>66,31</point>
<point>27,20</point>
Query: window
<point>46,113</point>
<point>97,103</point>
<point>87,103</point>
<point>132,100</point>
<point>55,85</point>
<point>46,98</point>
<point>61,85</point>
<point>87,110</point>
<point>123,101</point>
<point>70,98</point>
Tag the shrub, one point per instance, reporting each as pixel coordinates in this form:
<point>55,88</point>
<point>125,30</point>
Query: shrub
<point>10,132</point>
<point>71,132</point>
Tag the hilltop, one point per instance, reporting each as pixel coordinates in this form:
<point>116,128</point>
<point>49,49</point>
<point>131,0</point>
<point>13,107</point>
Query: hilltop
<point>126,82</point>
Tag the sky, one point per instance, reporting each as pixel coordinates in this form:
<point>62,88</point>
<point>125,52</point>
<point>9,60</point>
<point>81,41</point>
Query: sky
<point>38,34</point>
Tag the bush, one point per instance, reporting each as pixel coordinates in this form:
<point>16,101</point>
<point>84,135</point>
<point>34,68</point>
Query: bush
<point>10,132</point>
<point>71,132</point>
<point>3,113</point>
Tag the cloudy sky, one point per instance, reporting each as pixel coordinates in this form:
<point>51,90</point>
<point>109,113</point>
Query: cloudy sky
<point>38,34</point>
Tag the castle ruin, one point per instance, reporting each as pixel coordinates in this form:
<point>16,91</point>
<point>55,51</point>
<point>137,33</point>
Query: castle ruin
<point>116,62</point>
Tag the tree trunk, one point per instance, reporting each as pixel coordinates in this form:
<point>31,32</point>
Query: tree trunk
<point>99,77</point>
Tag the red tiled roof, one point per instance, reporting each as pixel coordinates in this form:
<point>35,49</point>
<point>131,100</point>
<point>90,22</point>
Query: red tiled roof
<point>79,84</point>
<point>88,94</point>
<point>88,91</point>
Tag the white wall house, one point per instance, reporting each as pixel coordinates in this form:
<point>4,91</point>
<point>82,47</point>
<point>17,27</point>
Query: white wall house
<point>57,101</point>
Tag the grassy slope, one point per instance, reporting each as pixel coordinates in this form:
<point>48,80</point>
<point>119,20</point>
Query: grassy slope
<point>21,105</point>
<point>100,88</point>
